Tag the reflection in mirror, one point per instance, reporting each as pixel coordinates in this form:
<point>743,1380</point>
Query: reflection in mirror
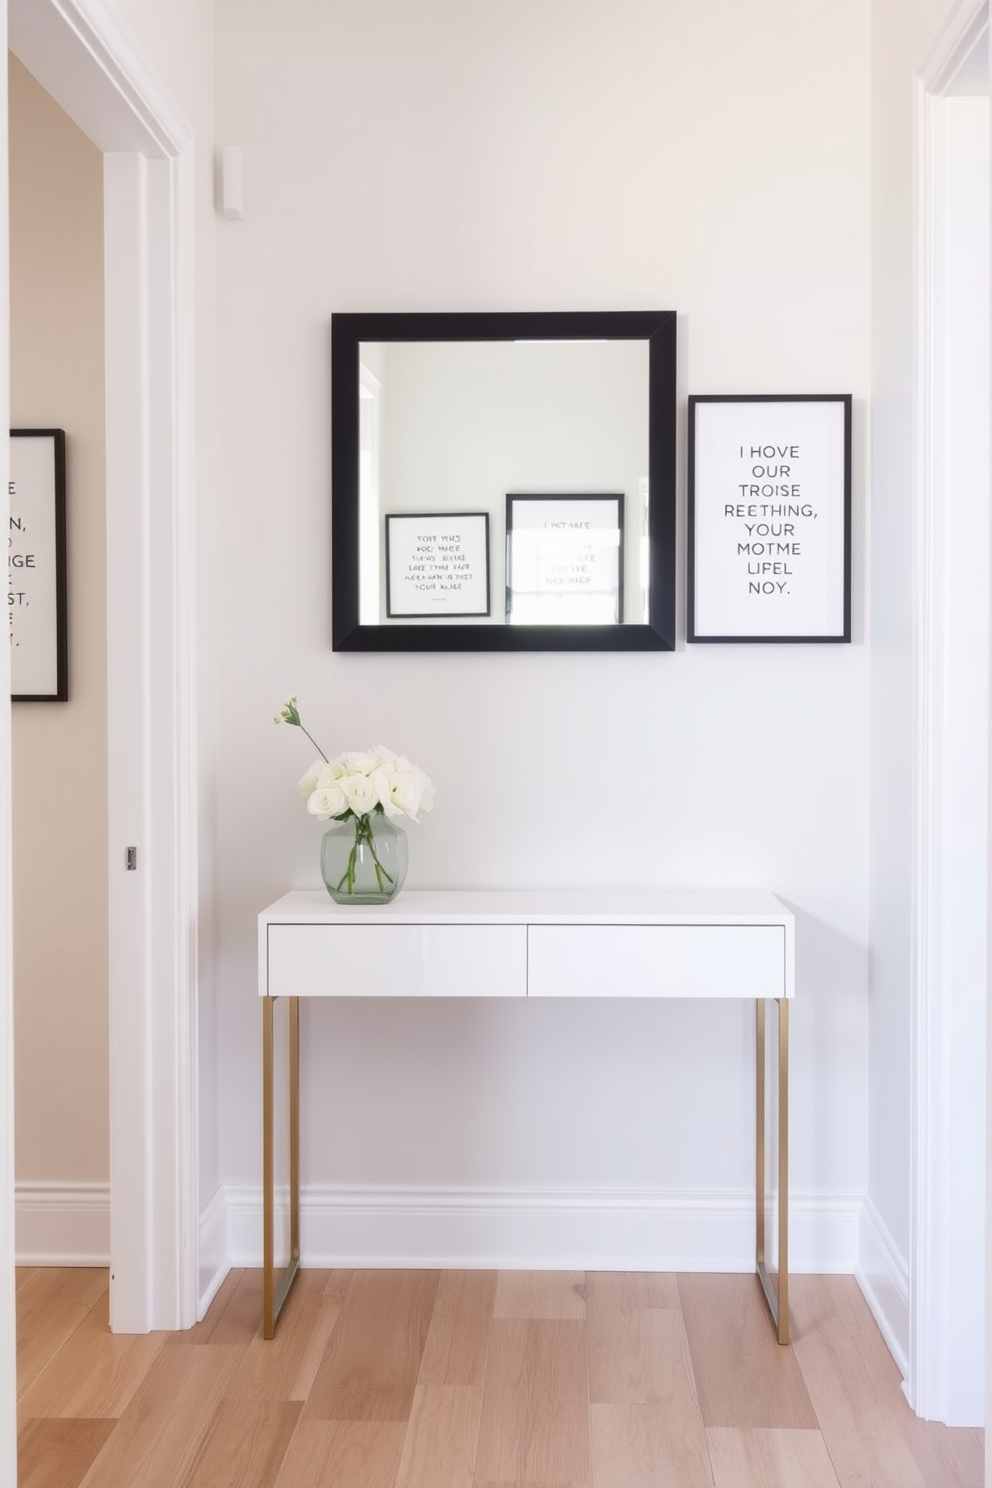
<point>462,426</point>
<point>503,482</point>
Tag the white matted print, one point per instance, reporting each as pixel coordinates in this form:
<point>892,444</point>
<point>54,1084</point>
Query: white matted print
<point>564,559</point>
<point>437,563</point>
<point>36,567</point>
<point>769,518</point>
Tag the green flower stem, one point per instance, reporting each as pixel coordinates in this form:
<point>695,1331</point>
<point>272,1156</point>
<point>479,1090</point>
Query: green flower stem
<point>313,741</point>
<point>290,713</point>
<point>363,834</point>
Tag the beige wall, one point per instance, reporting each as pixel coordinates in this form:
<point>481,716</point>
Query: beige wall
<point>59,749</point>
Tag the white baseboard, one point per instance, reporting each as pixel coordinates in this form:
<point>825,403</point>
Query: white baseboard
<point>214,1262</point>
<point>883,1276</point>
<point>62,1224</point>
<point>566,1230</point>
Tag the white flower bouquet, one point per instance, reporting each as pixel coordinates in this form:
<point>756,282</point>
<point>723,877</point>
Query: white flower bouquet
<point>364,788</point>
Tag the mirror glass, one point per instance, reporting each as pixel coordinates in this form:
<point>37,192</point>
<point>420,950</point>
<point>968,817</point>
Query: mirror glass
<point>503,482</point>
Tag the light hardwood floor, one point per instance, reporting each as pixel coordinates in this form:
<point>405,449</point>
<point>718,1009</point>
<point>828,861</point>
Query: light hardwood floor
<point>474,1379</point>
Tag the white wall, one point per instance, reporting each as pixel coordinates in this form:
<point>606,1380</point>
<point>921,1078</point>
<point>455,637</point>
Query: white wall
<point>566,156</point>
<point>60,749</point>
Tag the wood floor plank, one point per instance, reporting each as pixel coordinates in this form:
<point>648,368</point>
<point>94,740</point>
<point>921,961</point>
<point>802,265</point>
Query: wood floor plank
<point>535,1411</point>
<point>648,1446</point>
<point>51,1304</point>
<point>343,1454</point>
<point>336,1282</point>
<point>238,1315</point>
<point>617,1397</point>
<point>157,1438</point>
<point>314,1281</point>
<point>244,1444</point>
<point>640,1356</point>
<point>370,1367</point>
<point>94,1374</point>
<point>98,1316</point>
<point>540,1294</point>
<point>202,1331</point>
<point>625,1289</point>
<point>948,1457</point>
<point>743,1375</point>
<point>769,1458</point>
<point>58,1453</point>
<point>458,1341</point>
<point>442,1436</point>
<point>853,1383</point>
<point>284,1367</point>
<point>241,1319</point>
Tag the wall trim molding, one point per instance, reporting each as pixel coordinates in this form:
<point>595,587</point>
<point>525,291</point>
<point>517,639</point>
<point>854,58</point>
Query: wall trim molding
<point>939,1357</point>
<point>213,1250</point>
<point>883,1275</point>
<point>94,69</point>
<point>960,32</point>
<point>567,1229</point>
<point>62,1224</point>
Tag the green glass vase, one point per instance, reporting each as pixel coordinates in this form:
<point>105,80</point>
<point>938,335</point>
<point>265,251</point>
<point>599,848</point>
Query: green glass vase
<point>363,860</point>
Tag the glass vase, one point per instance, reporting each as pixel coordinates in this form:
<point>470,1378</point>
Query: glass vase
<point>363,860</point>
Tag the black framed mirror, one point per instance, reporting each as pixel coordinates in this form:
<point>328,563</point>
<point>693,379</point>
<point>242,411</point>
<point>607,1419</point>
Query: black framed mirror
<point>443,425</point>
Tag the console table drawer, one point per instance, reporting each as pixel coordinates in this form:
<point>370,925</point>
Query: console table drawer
<point>657,961</point>
<point>384,960</point>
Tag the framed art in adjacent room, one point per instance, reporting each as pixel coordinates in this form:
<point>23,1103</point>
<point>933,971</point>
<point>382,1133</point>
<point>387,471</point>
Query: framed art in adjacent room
<point>564,560</point>
<point>437,564</point>
<point>769,517</point>
<point>36,567</point>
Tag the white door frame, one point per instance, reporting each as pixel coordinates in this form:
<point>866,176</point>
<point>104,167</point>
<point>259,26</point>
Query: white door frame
<point>951,670</point>
<point>78,51</point>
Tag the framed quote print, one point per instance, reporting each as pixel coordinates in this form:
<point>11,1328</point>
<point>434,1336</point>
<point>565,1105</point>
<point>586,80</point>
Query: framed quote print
<point>769,545</point>
<point>437,564</point>
<point>36,567</point>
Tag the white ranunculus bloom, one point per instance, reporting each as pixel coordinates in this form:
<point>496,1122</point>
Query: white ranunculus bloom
<point>327,801</point>
<point>362,763</point>
<point>310,781</point>
<point>360,793</point>
<point>406,791</point>
<point>370,780</point>
<point>331,773</point>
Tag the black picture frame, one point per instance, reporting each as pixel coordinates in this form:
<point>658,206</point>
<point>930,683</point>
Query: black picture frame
<point>36,557</point>
<point>562,568</point>
<point>451,548</point>
<point>769,518</point>
<point>656,328</point>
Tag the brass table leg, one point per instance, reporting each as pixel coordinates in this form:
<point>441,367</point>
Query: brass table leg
<point>778,1301</point>
<point>273,1295</point>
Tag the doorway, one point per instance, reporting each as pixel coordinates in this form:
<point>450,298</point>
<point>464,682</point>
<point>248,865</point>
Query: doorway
<point>89,68</point>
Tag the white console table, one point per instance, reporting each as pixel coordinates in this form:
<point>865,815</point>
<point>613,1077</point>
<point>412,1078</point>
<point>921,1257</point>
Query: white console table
<point>692,943</point>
